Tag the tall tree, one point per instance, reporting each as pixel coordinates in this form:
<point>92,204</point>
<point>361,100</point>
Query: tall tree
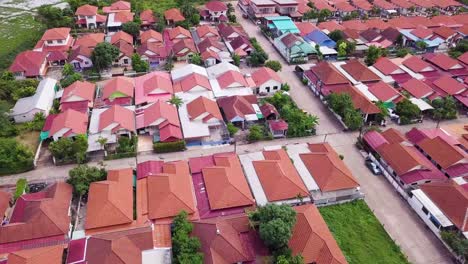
<point>138,64</point>
<point>336,35</point>
<point>373,54</point>
<point>103,55</point>
<point>132,28</point>
<point>82,176</point>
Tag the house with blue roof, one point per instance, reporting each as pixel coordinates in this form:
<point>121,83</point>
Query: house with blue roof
<point>293,48</point>
<point>280,25</point>
<point>320,38</point>
<point>412,36</point>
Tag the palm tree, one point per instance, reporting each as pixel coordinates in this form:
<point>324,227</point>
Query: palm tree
<point>175,100</point>
<point>102,141</point>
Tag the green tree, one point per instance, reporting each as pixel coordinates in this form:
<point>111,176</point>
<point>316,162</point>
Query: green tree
<point>257,58</point>
<point>23,92</point>
<point>383,111</point>
<point>68,80</point>
<point>353,119</point>
<point>373,54</point>
<point>459,49</point>
<point>82,176</point>
<point>7,76</point>
<point>176,101</point>
<point>54,17</point>
<point>342,49</point>
<point>185,249</point>
<point>311,14</point>
<point>138,64</point>
<point>21,188</point>
<point>323,15</point>
<point>66,149</point>
<point>336,35</point>
<point>236,60</point>
<point>274,65</point>
<point>131,28</point>
<point>340,103</point>
<point>169,63</point>
<point>103,55</point>
<point>457,243</point>
<point>255,133</point>
<point>14,157</point>
<point>68,69</point>
<point>444,109</point>
<point>232,129</point>
<point>407,111</point>
<point>421,45</point>
<point>196,59</point>
<point>285,87</point>
<point>402,52</point>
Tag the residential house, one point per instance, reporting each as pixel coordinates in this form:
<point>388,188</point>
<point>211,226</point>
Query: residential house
<point>417,65</point>
<point>390,72</point>
<point>206,31</point>
<point>163,190</point>
<point>400,160</point>
<point>110,123</point>
<point>210,58</point>
<point>261,8</point>
<point>386,8</point>
<point>173,15</point>
<point>319,38</point>
<point>329,26</point>
<point>87,16</point>
<point>417,88</point>
<point>29,64</point>
<point>312,239</point>
<point>199,117</point>
<point>305,27</point>
<point>116,91</point>
<point>240,109</point>
<point>324,76</point>
<point>278,128</point>
<point>229,81</point>
<point>160,120</point>
<point>357,72</point>
<point>212,44</point>
<point>184,49</point>
<point>220,185</point>
<point>47,254</point>
<point>152,87</point>
<point>124,42</point>
<point>293,48</point>
<point>154,53</point>
<point>363,7</point>
<point>69,124</point>
<point>343,8</point>
<point>118,6</point>
<point>269,111</point>
<point>287,8</point>
<point>448,86</point>
<point>151,36</point>
<point>447,34</point>
<point>41,102</point>
<point>325,175</point>
<point>266,81</point>
<point>215,11</point>
<point>230,32</point>
<point>273,178</point>
<point>55,40</point>
<point>78,96</point>
<point>22,230</point>
<point>147,19</point>
<point>402,6</point>
<point>378,23</point>
<point>442,206</point>
<point>447,64</point>
<point>115,20</point>
<point>90,40</point>
<point>241,46</point>
<point>178,33</point>
<point>110,202</point>
<point>421,34</point>
<point>80,55</point>
<point>385,93</point>
<point>280,25</point>
<point>5,199</point>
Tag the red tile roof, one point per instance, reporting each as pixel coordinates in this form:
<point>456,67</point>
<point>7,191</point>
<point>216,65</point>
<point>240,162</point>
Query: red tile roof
<point>39,215</point>
<point>359,71</point>
<point>442,152</point>
<point>237,106</point>
<point>230,78</point>
<point>451,198</point>
<point>56,34</point>
<point>312,239</point>
<point>421,32</point>
<point>328,74</point>
<point>377,23</point>
<point>417,65</point>
<point>210,43</point>
<point>226,184</point>
<point>278,125</point>
<point>174,15</point>
<point>151,35</point>
<point>118,6</point>
<point>264,75</point>
<point>216,6</point>
<point>184,47</point>
<point>464,58</point>
<point>118,87</point>
<point>402,158</point>
<point>149,87</point>
<point>4,202</point>
<point>444,32</point>
<point>363,4</point>
<point>354,24</point>
<point>278,176</point>
<point>74,122</point>
<point>117,117</point>
<point>79,91</point>
<point>120,247</point>
<point>444,62</point>
<point>449,85</point>
<point>305,27</point>
<point>207,31</point>
<point>86,10</point>
<point>90,40</point>
<point>383,91</point>
<point>191,81</point>
<point>393,136</point>
<point>121,36</point>
<point>417,88</point>
<point>327,169</point>
<point>175,32</point>
<point>201,106</point>
<point>110,202</point>
<point>330,26</point>
<point>344,6</point>
<point>209,54</point>
<point>158,114</point>
<point>42,255</point>
<point>387,67</point>
<point>29,62</point>
<point>147,17</point>
<point>123,17</point>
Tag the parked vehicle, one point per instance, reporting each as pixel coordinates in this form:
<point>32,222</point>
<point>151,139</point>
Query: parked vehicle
<point>393,115</point>
<point>373,167</point>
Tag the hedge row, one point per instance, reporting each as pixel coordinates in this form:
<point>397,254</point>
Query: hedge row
<point>164,147</point>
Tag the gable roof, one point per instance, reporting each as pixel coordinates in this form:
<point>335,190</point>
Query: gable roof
<point>90,40</point>
<point>201,106</point>
<point>444,32</point>
<point>359,71</point>
<point>183,44</point>
<point>237,106</point>
<point>123,17</point>
<point>120,84</point>
<point>231,77</point>
<point>327,169</point>
<point>203,30</point>
<point>464,58</point>
<point>278,176</point>
<point>56,34</point>
<point>417,88</point>
<point>122,117</point>
<point>121,36</point>
<point>174,32</point>
<point>216,6</point>
<point>110,202</point>
<point>86,10</point>
<point>387,67</point>
<point>190,81</point>
<point>39,215</point>
<point>328,74</point>
<point>442,152</point>
<point>171,191</point>
<point>174,15</point>
<point>153,83</point>
<point>401,158</point>
<point>79,91</point>
<point>265,74</point>
<point>417,65</point>
<point>122,247</point>
<point>151,34</point>
<point>147,17</point>
<point>29,62</point>
<point>118,6</point>
<point>383,91</point>
<point>74,121</point>
<point>312,239</point>
<point>42,255</point>
<point>449,85</point>
<point>393,136</point>
<point>226,184</point>
<point>443,61</point>
<point>208,43</point>
<point>156,111</point>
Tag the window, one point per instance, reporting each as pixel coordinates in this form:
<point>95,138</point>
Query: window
<point>267,89</point>
<point>50,41</point>
<point>424,209</point>
<point>59,41</point>
<point>89,17</point>
<point>86,62</point>
<point>434,221</point>
<point>275,87</point>
<point>125,61</point>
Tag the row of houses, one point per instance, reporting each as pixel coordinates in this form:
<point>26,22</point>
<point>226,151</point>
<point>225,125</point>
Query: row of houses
<point>258,9</point>
<point>214,190</point>
<point>421,79</point>
<point>429,167</point>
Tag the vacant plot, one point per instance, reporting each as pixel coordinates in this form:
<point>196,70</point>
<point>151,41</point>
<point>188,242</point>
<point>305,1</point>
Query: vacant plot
<point>360,235</point>
<point>17,34</point>
<point>29,139</point>
<point>162,5</point>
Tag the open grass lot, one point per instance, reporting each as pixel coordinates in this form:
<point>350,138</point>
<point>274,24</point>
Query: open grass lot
<point>17,34</point>
<point>360,235</point>
<point>29,139</point>
<point>162,5</point>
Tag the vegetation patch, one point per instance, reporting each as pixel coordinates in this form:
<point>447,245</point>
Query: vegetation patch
<point>360,235</point>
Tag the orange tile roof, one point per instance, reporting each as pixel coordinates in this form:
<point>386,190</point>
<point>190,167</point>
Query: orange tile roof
<point>79,91</point>
<point>121,36</point>
<point>191,81</point>
<point>170,192</point>
<point>116,114</point>
<point>90,40</point>
<point>226,184</point>
<point>312,239</point>
<point>175,32</point>
<point>401,158</point>
<point>162,236</point>
<point>442,152</point>
<point>265,74</point>
<point>4,202</point>
<point>75,122</point>
<point>151,35</point>
<point>204,30</point>
<point>393,136</point>
<point>110,202</point>
<point>327,169</point>
<point>42,255</point>
<point>123,85</point>
<point>278,176</point>
<point>86,10</point>
<point>56,34</point>
<point>202,105</point>
<point>174,15</point>
<point>359,71</point>
<point>451,198</point>
<point>123,17</point>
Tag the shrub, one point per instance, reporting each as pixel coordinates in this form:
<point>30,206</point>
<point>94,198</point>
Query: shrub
<point>14,157</point>
<point>232,129</point>
<point>274,65</point>
<point>285,87</point>
<point>165,147</point>
<point>255,133</point>
<point>21,188</point>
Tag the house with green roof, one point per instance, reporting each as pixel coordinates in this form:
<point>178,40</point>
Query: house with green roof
<point>293,48</point>
<point>280,25</point>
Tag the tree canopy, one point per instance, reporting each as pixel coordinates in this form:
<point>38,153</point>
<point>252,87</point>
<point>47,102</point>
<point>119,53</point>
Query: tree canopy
<point>274,65</point>
<point>138,64</point>
<point>54,17</point>
<point>407,111</point>
<point>68,150</point>
<point>445,108</point>
<point>82,176</point>
<point>373,54</point>
<point>103,55</point>
<point>185,249</point>
<point>14,157</point>
<point>131,28</point>
<point>459,49</point>
<point>196,59</point>
<point>336,35</point>
<point>342,105</point>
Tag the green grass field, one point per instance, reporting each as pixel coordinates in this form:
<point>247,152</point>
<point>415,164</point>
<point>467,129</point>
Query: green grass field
<point>17,34</point>
<point>360,235</point>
